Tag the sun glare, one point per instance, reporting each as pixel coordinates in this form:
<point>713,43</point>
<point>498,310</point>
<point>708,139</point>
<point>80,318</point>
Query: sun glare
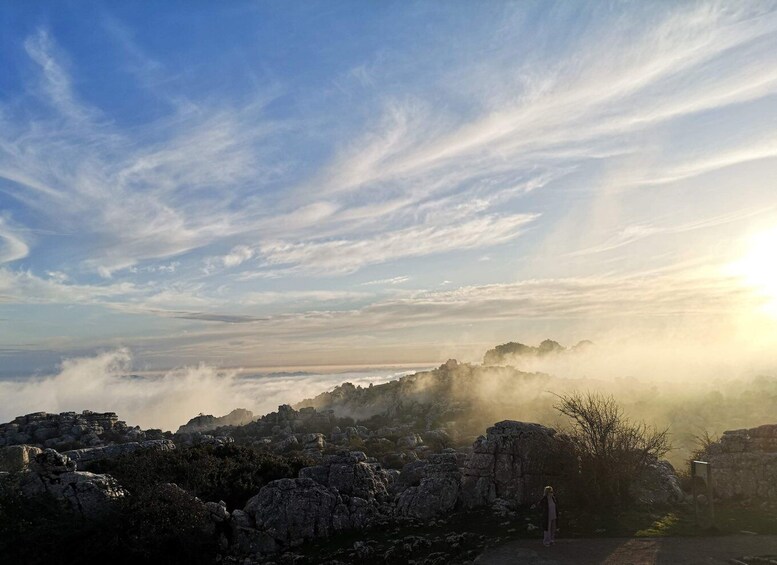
<point>758,267</point>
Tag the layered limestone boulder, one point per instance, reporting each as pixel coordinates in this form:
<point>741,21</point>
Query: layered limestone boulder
<point>744,463</point>
<point>90,454</point>
<point>291,511</point>
<point>513,462</point>
<point>88,494</point>
<point>433,486</point>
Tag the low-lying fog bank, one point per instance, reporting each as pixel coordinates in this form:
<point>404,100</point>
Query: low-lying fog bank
<point>692,389</point>
<point>106,383</point>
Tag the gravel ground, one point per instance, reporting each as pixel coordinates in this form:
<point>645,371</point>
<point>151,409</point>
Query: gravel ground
<point>632,551</point>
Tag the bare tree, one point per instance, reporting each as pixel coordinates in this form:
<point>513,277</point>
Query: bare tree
<point>612,450</point>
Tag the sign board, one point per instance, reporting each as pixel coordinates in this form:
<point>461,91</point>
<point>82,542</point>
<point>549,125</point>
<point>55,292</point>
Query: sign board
<point>703,471</point>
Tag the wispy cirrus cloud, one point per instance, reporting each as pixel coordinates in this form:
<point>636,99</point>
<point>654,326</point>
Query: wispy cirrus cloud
<point>347,256</point>
<point>546,140</point>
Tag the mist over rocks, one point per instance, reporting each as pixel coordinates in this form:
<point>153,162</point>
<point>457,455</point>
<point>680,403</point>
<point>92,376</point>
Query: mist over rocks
<point>513,353</point>
<point>459,398</point>
<point>207,422</point>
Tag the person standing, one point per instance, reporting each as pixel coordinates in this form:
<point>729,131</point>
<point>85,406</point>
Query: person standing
<point>549,506</point>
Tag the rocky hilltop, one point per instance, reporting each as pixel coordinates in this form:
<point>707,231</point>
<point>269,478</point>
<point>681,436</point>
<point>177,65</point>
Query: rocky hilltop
<point>71,430</point>
<point>206,422</point>
<point>460,398</point>
<point>512,353</point>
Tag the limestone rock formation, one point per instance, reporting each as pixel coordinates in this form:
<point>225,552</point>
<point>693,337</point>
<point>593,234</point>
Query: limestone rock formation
<point>437,489</point>
<point>508,353</point>
<point>513,462</point>
<point>88,494</point>
<point>89,454</point>
<point>744,463</point>
<point>291,511</point>
<point>70,430</point>
<point>346,492</point>
<point>350,473</point>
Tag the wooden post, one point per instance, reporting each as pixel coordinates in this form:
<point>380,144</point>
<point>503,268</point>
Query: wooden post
<point>710,494</point>
<point>693,490</point>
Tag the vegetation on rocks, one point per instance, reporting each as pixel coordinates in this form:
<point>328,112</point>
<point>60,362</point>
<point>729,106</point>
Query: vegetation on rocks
<point>230,473</point>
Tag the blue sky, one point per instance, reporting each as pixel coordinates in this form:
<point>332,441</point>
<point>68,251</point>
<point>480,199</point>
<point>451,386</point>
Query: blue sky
<point>266,183</point>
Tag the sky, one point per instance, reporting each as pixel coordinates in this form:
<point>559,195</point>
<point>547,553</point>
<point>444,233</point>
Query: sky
<point>255,184</point>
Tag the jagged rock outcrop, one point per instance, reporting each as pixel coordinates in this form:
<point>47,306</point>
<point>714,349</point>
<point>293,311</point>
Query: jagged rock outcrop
<point>744,463</point>
<point>287,429</point>
<point>206,423</point>
<point>70,430</point>
<point>88,494</point>
<point>291,511</point>
<point>513,462</point>
<point>89,454</point>
<point>352,474</point>
<point>346,492</point>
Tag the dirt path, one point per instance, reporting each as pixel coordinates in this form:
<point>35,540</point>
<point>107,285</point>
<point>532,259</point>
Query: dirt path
<point>630,551</point>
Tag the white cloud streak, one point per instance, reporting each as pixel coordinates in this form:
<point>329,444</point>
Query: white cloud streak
<point>12,246</point>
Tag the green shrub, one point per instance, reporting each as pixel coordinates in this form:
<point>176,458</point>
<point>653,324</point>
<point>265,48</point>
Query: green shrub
<point>230,473</point>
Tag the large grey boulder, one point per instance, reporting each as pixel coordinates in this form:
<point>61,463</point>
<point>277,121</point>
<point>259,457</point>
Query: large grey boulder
<point>437,491</point>
<point>293,510</point>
